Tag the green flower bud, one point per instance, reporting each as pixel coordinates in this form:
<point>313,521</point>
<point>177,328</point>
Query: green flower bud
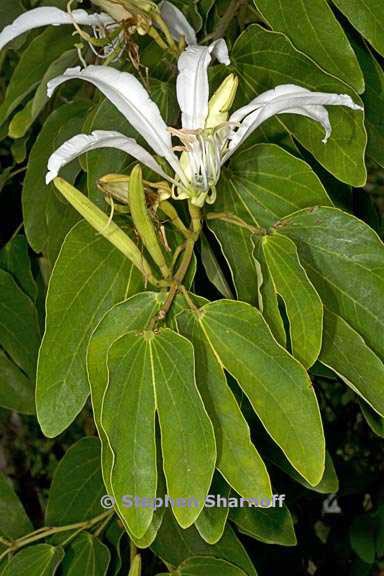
<point>221,102</point>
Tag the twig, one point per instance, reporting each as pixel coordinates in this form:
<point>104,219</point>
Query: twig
<point>225,20</point>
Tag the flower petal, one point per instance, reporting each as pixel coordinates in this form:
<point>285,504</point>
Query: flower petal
<point>285,99</point>
<point>192,81</point>
<point>49,15</point>
<point>177,23</point>
<point>132,100</point>
<point>82,143</point>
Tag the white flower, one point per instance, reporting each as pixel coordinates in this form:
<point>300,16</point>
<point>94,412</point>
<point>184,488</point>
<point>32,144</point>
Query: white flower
<point>50,15</point>
<point>208,140</point>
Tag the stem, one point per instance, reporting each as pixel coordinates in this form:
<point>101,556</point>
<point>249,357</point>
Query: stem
<point>42,533</point>
<point>236,221</point>
<point>225,20</point>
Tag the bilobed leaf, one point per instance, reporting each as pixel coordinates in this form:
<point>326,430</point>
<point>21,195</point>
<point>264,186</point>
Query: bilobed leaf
<point>268,302</point>
<point>128,420</point>
<point>269,525</point>
<point>367,16</point>
<point>16,389</point>
<point>14,522</point>
<point>203,566</point>
<point>89,277</point>
<point>313,28</point>
<point>373,99</point>
<point>346,352</point>
<point>158,369</point>
<point>238,460</point>
<point>264,59</point>
<point>132,314</point>
<point>19,327</point>
<point>47,217</point>
<point>262,184</point>
<point>14,258</point>
<point>36,560</point>
<point>175,545</point>
<point>40,53</point>
<point>212,520</point>
<point>277,386</point>
<point>344,259</point>
<point>302,303</point>
<point>77,485</point>
<point>87,556</point>
<point>23,120</point>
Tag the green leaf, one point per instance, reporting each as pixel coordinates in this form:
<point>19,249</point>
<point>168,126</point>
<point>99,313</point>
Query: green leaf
<point>19,327</point>
<point>264,59</point>
<point>212,520</point>
<point>302,303</point>
<point>344,259</point>
<point>277,386</point>
<point>16,390</point>
<point>89,277</point>
<point>267,301</point>
<point>77,485</point>
<point>367,16</point>
<point>37,560</point>
<point>203,566</point>
<point>313,29</point>
<point>14,258</point>
<point>262,184</point>
<point>175,545</point>
<point>9,11</point>
<point>36,58</point>
<point>87,556</point>
<point>213,269</point>
<point>346,352</point>
<point>374,421</point>
<point>14,523</point>
<point>269,525</point>
<point>362,537</point>
<point>238,460</point>
<point>23,120</point>
<point>373,99</point>
<point>132,314</point>
<point>158,370</point>
<point>47,217</point>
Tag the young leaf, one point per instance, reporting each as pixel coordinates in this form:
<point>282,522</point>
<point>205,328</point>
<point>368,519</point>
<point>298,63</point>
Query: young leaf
<point>87,556</point>
<point>313,29</point>
<point>277,386</point>
<point>14,523</point>
<point>89,277</point>
<point>37,560</point>
<point>264,59</point>
<point>204,566</point>
<point>302,303</point>
<point>77,485</point>
<point>237,460</point>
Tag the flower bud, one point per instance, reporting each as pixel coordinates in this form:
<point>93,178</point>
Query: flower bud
<point>115,185</point>
<point>221,102</point>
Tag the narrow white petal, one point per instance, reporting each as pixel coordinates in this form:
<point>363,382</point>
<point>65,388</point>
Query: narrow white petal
<point>177,23</point>
<point>132,100</point>
<point>82,143</point>
<point>285,99</point>
<point>45,16</point>
<point>192,81</point>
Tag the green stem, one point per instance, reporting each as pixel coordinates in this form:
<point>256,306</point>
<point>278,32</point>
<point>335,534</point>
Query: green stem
<point>236,221</point>
<point>225,20</point>
<point>43,533</point>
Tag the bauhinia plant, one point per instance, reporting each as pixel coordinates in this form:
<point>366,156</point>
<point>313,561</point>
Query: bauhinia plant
<point>174,374</point>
